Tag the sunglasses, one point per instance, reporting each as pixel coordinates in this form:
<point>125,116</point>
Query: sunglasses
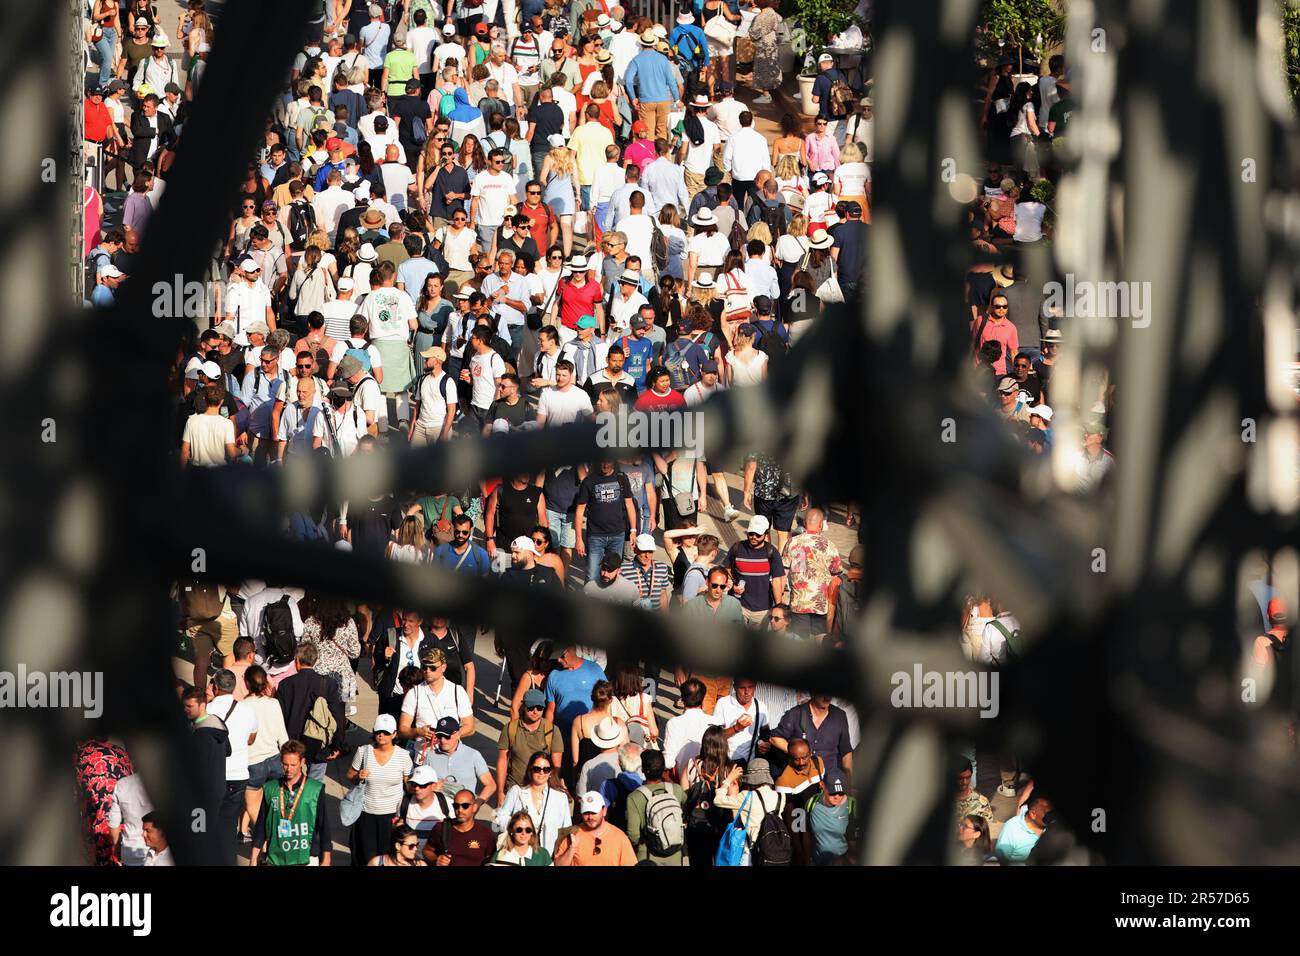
<point>717,587</point>
<point>556,258</point>
<point>433,667</point>
<point>540,769</point>
<point>249,206</point>
<point>462,806</point>
<point>523,830</point>
<point>1000,308</point>
<point>595,852</point>
<point>458,218</point>
<point>267,361</point>
<point>535,707</point>
<point>410,846</point>
<point>423,786</point>
<point>534,192</point>
<point>304,368</point>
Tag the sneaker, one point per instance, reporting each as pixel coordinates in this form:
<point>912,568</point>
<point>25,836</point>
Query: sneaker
<point>1007,792</point>
<point>352,710</point>
<point>730,514</point>
<point>762,99</point>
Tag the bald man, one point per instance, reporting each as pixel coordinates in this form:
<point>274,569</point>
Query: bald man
<point>399,181</point>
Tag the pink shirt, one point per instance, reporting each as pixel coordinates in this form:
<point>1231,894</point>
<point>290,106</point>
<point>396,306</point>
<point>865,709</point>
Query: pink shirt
<point>1003,332</point>
<point>823,152</point>
<point>641,152</point>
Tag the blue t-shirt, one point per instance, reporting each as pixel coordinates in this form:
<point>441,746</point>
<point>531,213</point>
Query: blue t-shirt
<point>637,355</point>
<point>476,562</point>
<point>1016,840</point>
<point>570,690</point>
<point>830,830</point>
<point>650,78</point>
<point>822,90</point>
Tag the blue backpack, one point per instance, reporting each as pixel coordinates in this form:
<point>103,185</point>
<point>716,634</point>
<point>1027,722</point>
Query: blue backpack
<point>731,849</point>
<point>362,356</point>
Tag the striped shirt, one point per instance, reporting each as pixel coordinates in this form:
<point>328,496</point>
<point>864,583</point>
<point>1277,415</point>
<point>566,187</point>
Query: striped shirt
<point>793,782</point>
<point>757,566</point>
<point>650,583</point>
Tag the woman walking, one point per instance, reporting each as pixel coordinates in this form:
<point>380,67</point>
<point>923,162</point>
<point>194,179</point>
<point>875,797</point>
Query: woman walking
<point>384,768</point>
<point>763,31</point>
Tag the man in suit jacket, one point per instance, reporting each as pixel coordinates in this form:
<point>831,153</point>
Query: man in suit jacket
<point>147,126</point>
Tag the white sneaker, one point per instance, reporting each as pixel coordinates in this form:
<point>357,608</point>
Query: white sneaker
<point>1007,791</point>
<point>352,710</point>
<point>763,99</point>
<point>730,514</point>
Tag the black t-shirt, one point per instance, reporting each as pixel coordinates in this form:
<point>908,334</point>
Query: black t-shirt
<point>515,415</point>
<point>410,110</point>
<point>981,287</point>
<point>233,363</point>
<point>1060,113</point>
<point>456,654</point>
<point>526,250</point>
<point>851,240</point>
<point>1043,373</point>
<point>561,490</point>
<point>604,496</point>
<point>516,511</point>
<point>1031,385</point>
<point>549,119</point>
<point>372,524</point>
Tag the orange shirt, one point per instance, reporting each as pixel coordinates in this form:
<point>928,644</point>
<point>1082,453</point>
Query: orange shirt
<point>615,848</point>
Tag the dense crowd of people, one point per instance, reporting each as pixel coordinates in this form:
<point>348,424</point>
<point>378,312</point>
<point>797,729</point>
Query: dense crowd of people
<point>493,216</point>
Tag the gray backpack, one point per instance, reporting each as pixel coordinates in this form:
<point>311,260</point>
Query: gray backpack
<point>665,828</point>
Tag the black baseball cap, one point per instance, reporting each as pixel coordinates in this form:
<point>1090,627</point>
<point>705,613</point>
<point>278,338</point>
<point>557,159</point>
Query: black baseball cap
<point>611,561</point>
<point>763,305</point>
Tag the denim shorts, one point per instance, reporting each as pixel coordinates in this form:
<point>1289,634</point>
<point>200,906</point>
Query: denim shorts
<point>268,769</point>
<point>561,529</point>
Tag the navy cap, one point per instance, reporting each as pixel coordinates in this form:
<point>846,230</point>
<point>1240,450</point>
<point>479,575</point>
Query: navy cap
<point>446,727</point>
<point>709,366</point>
<point>763,305</point>
<point>612,561</point>
<point>834,782</point>
<point>747,328</point>
<point>854,208</point>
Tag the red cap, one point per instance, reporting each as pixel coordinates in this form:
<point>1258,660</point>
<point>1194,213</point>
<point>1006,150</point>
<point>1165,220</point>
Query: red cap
<point>333,144</point>
<point>1276,611</point>
<point>481,29</point>
<point>639,127</point>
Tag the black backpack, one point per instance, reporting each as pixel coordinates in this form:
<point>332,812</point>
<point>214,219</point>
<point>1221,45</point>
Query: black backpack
<point>302,223</point>
<point>278,638</point>
<point>92,269</point>
<point>770,341</point>
<point>774,846</point>
<point>774,215</point>
<point>701,815</point>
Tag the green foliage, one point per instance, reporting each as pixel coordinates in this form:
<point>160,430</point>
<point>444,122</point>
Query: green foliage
<point>1022,22</point>
<point>1291,46</point>
<point>1043,191</point>
<point>820,20</point>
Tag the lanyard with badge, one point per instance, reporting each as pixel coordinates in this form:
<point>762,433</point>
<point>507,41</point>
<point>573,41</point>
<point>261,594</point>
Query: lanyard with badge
<point>285,827</point>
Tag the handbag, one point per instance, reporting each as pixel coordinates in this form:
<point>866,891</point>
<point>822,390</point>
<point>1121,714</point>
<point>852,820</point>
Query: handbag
<point>731,849</point>
<point>683,501</point>
<point>735,292</point>
<point>720,30</point>
<point>581,222</point>
<point>442,532</point>
<point>830,292</point>
<point>350,806</point>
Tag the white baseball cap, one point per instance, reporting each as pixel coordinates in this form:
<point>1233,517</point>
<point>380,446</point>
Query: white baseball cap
<point>213,371</point>
<point>423,775</point>
<point>449,29</point>
<point>346,284</point>
<point>592,802</point>
<point>1042,411</point>
<point>524,543</point>
<point>645,542</point>
<point>758,525</point>
<point>384,723</point>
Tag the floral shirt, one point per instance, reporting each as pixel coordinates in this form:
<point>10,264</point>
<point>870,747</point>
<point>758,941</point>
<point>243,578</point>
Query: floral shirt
<point>811,563</point>
<point>100,765</point>
<point>771,481</point>
<point>335,655</point>
<point>975,805</point>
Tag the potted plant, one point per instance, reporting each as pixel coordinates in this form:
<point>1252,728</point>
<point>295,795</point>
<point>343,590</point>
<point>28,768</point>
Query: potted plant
<point>817,21</point>
<point>1031,26</point>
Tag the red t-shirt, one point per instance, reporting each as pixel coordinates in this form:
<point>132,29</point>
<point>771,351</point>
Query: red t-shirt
<point>538,220</point>
<point>98,120</point>
<point>575,302</point>
<point>649,401</point>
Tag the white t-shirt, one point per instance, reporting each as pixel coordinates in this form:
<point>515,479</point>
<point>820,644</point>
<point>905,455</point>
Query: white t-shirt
<point>248,302</point>
<point>639,231</point>
<point>728,711</point>
<point>568,104</point>
<point>330,205</point>
<point>384,783</point>
<point>1029,221</point>
<point>428,708</point>
<point>563,407</point>
<point>420,41</point>
<point>700,158</point>
<point>448,51</point>
<point>397,178</point>
<point>456,247</point>
<point>494,191</point>
<point>851,179</point>
<point>370,399</point>
<point>422,820</point>
<point>341,348</point>
<point>697,394</point>
<point>349,426</point>
<point>621,311</point>
<point>506,76</point>
<point>484,370</point>
<point>297,427</point>
<point>791,248</point>
<point>433,397</point>
<point>208,436</point>
<point>390,312</point>
<point>712,250</point>
<point>241,722</point>
<point>747,372</point>
<point>818,206</point>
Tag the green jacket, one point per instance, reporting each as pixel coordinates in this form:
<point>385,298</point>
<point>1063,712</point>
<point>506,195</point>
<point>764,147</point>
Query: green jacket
<point>636,803</point>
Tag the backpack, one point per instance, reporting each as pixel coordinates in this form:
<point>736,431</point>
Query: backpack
<point>700,813</point>
<point>278,638</point>
<point>774,215</point>
<point>1012,642</point>
<point>842,98</point>
<point>201,602</point>
<point>419,135</point>
<point>362,356</point>
<point>665,830</point>
<point>302,223</point>
<point>320,726</point>
<point>774,846</point>
<point>680,372</point>
<point>848,604</point>
<point>659,248</point>
<point>446,104</point>
<point>770,340</point>
<point>731,848</point>
<point>690,59</point>
<point>739,234</point>
<point>92,269</point>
